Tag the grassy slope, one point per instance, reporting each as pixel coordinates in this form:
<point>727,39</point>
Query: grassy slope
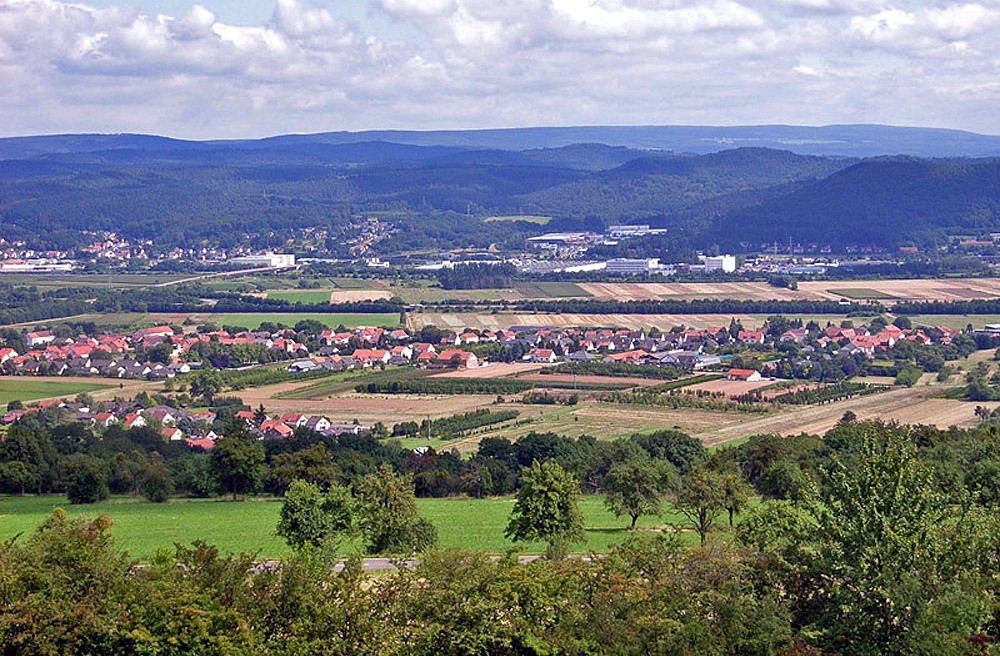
<point>142,528</point>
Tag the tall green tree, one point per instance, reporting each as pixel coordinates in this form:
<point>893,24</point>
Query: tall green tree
<point>155,481</point>
<point>238,464</point>
<point>86,479</point>
<point>312,464</point>
<point>310,516</point>
<point>636,488</point>
<point>388,517</point>
<point>701,498</point>
<point>546,508</point>
<point>894,566</point>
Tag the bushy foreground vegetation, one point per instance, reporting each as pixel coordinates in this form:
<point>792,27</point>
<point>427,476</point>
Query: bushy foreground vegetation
<point>878,550</point>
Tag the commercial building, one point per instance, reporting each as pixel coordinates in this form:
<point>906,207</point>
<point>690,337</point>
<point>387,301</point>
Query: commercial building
<point>724,263</point>
<point>274,260</point>
<point>632,267</point>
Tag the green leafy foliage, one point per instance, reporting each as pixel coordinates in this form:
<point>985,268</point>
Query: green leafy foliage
<point>310,516</point>
<point>388,516</point>
<point>546,507</point>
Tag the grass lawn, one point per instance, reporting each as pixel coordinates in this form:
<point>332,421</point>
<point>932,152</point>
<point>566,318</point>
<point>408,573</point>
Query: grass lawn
<point>25,388</point>
<point>142,528</point>
<point>302,295</point>
<point>252,320</point>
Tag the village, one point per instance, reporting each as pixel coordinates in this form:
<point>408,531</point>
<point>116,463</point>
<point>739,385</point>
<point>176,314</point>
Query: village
<point>779,349</point>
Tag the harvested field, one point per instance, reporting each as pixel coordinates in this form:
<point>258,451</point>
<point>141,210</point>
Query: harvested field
<point>639,291</point>
<point>500,321</point>
<point>496,370</point>
<point>353,295</point>
<point>888,291</point>
<point>732,387</point>
<point>582,379</point>
<point>367,408</point>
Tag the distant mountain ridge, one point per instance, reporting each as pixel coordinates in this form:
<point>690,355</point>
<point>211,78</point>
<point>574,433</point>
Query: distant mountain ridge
<point>861,140</point>
<point>437,194</point>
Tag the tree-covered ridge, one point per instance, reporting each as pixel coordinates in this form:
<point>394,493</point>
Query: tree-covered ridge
<point>884,202</point>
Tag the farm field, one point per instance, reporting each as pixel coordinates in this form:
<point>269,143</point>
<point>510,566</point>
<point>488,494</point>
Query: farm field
<point>503,320</point>
<point>583,379</point>
<point>30,388</point>
<point>252,320</point>
<point>132,320</point>
<point>345,406</point>
<point>930,289</point>
<point>494,370</point>
<point>302,295</point>
<point>906,405</point>
<point>732,387</point>
<point>142,528</point>
<point>545,289</point>
<point>354,295</point>
<point>601,420</point>
<point>862,294</point>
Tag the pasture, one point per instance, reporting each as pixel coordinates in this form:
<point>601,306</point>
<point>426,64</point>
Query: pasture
<point>143,528</point>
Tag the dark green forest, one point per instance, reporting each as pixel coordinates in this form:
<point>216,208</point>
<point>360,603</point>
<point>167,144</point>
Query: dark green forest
<point>186,192</point>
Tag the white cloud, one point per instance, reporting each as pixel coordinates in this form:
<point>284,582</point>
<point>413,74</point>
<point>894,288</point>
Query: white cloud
<point>73,67</point>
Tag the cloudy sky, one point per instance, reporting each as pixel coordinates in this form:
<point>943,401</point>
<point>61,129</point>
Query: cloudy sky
<point>247,68</point>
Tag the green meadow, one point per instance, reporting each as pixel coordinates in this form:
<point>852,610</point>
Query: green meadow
<point>142,528</point>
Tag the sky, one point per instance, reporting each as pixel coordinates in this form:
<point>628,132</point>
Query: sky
<point>253,68</point>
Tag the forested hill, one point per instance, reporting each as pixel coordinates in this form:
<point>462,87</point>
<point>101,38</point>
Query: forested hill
<point>180,193</point>
<point>885,202</point>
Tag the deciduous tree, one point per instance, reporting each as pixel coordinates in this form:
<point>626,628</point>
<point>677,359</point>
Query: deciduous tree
<point>546,507</point>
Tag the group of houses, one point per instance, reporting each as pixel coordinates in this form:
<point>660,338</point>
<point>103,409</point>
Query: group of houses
<point>197,429</point>
<point>117,355</point>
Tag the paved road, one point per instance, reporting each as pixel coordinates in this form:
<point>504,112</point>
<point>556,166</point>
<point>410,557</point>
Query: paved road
<point>221,274</point>
<point>387,564</point>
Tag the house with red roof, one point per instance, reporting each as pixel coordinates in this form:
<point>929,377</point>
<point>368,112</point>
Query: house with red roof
<point>133,420</point>
<point>749,375</point>
<point>172,433</point>
<point>40,338</point>
<point>540,355</point>
<point>459,358</point>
